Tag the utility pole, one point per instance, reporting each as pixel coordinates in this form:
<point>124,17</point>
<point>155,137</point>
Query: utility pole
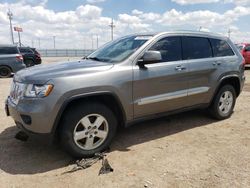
<point>32,43</point>
<point>10,15</point>
<point>19,38</point>
<point>229,32</point>
<point>54,39</point>
<point>92,42</point>
<point>112,26</point>
<point>200,28</point>
<point>97,41</point>
<point>39,43</point>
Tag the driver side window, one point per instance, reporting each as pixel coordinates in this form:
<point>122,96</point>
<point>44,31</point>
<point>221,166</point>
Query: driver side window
<point>169,47</point>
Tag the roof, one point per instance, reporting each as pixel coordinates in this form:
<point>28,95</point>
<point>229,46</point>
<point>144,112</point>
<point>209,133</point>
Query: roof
<point>8,45</point>
<point>186,32</point>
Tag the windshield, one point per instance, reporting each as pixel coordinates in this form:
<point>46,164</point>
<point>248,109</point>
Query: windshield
<point>120,49</point>
<point>240,47</point>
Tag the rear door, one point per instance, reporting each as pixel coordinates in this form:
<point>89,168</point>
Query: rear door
<point>209,58</point>
<point>247,54</point>
<point>161,86</point>
<point>198,53</point>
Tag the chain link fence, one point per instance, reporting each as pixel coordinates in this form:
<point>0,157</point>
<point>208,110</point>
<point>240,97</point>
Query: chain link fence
<point>64,52</point>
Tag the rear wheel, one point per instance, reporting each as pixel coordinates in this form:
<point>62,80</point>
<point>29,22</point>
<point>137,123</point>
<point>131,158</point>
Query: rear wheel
<point>5,72</point>
<point>87,129</point>
<point>223,103</point>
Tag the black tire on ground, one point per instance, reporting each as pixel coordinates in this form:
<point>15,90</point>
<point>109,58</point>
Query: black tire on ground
<point>214,107</point>
<point>72,117</point>
<point>29,63</point>
<point>5,72</point>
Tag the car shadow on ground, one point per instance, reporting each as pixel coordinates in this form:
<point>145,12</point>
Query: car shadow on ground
<point>34,156</point>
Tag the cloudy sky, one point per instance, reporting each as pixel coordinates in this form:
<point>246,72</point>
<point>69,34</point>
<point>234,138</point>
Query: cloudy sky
<point>76,23</point>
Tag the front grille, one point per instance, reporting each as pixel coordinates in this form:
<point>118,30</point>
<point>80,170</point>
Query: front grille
<point>16,92</point>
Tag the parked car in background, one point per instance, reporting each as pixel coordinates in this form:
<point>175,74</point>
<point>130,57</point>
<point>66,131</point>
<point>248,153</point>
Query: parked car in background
<point>11,60</point>
<point>245,51</point>
<point>131,79</point>
<point>31,56</point>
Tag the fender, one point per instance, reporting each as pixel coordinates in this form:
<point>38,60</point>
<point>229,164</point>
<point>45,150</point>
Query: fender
<point>90,94</point>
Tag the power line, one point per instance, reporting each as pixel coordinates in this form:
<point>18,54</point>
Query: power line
<point>112,26</point>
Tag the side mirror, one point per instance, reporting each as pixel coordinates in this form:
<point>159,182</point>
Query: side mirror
<point>149,57</point>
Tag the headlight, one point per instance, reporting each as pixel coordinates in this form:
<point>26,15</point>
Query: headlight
<point>38,90</point>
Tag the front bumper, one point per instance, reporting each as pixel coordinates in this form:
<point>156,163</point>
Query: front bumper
<point>32,118</point>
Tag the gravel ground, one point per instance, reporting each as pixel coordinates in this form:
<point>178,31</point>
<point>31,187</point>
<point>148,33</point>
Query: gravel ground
<point>184,150</point>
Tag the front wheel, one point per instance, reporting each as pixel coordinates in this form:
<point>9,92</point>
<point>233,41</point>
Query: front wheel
<point>223,103</point>
<point>87,129</point>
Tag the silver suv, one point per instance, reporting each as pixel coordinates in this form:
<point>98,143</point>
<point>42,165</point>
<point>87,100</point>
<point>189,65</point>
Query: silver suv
<point>133,78</point>
<point>11,60</point>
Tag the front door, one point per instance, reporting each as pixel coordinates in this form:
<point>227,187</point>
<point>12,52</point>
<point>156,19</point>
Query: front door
<point>161,86</point>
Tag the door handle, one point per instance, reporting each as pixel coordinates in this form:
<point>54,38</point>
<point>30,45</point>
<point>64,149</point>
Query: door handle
<point>180,68</point>
<point>216,63</point>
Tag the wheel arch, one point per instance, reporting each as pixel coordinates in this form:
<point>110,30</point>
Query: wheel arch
<point>6,66</point>
<point>107,98</point>
<point>233,80</point>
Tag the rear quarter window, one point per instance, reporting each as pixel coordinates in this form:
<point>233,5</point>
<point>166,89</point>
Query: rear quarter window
<point>196,48</point>
<point>26,50</point>
<point>8,50</point>
<point>221,48</point>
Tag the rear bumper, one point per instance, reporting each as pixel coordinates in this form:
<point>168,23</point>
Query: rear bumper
<point>18,66</point>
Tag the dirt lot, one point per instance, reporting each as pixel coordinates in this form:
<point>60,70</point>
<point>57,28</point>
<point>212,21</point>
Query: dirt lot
<point>185,150</point>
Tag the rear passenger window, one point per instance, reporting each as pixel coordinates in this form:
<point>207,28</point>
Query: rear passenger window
<point>170,48</point>
<point>247,48</point>
<point>221,48</point>
<point>25,50</point>
<point>196,48</point>
<point>8,50</point>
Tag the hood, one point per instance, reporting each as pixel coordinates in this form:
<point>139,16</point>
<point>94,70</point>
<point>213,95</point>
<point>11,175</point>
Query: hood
<point>45,72</point>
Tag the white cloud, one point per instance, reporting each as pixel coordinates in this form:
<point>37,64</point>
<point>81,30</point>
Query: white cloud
<point>136,12</point>
<point>238,2</point>
<point>185,2</point>
<point>203,18</point>
<point>76,28</point>
<point>191,2</point>
<point>95,1</point>
<point>89,12</point>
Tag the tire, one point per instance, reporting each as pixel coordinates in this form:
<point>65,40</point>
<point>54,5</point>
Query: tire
<point>223,103</point>
<point>29,63</point>
<point>5,72</point>
<point>79,122</point>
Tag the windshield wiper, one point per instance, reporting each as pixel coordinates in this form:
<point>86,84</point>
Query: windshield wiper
<point>94,58</point>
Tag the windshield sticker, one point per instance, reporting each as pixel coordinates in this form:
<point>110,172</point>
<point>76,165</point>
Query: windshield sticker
<point>143,37</point>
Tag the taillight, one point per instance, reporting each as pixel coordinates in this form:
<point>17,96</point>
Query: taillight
<point>19,57</point>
